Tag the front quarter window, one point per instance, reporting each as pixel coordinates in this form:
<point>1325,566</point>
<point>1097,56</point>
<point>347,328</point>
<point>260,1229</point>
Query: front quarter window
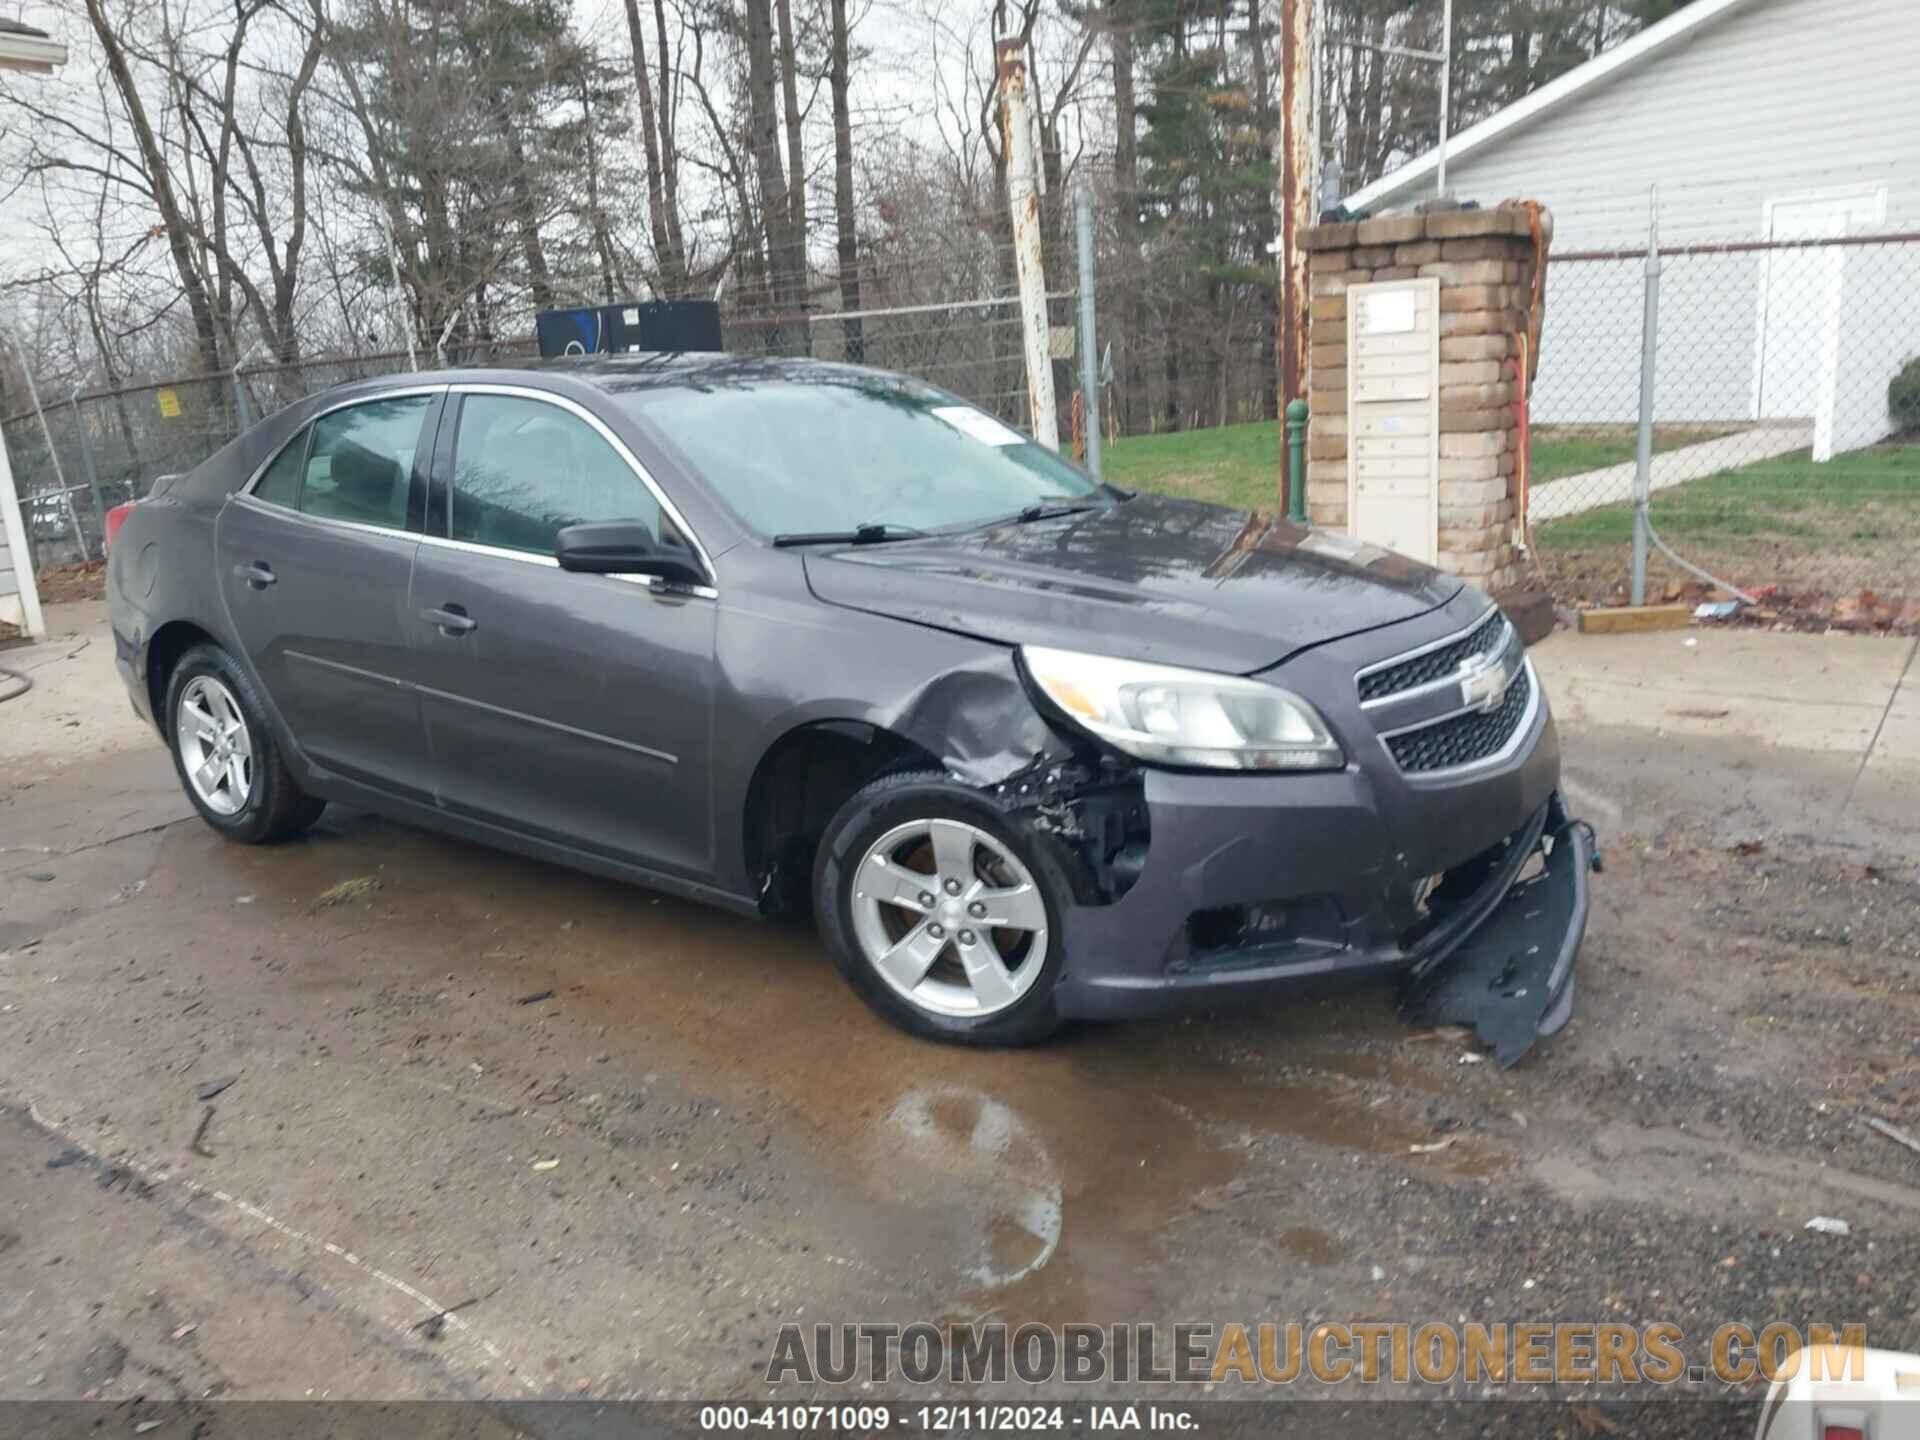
<point>825,451</point>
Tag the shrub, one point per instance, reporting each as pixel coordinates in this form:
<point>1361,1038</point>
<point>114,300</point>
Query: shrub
<point>1903,398</point>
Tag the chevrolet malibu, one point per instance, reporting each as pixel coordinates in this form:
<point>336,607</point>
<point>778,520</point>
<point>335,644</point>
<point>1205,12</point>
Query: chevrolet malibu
<point>788,636</point>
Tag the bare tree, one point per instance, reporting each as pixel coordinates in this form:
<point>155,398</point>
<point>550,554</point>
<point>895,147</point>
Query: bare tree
<point>847,244</point>
<point>656,136</point>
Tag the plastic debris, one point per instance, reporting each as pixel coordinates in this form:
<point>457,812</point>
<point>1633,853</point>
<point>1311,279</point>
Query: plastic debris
<point>1893,1133</point>
<point>546,1164</point>
<point>1434,1149</point>
<point>1716,610</point>
<point>1829,1225</point>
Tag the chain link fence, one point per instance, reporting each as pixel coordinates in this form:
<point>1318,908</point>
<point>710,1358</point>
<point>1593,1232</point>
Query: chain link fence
<point>85,452</point>
<point>1785,460</point>
<point>957,325</point>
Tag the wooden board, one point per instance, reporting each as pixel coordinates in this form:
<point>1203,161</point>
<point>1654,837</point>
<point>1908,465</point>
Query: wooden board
<point>1621,619</point>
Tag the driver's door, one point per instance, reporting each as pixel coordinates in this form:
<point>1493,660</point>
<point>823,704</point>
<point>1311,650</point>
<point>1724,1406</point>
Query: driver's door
<point>573,708</point>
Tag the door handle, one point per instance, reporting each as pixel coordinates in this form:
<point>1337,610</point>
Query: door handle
<point>453,620</point>
<point>258,575</point>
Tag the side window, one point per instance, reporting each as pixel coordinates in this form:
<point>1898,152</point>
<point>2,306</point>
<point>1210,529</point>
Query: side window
<point>523,470</point>
<point>361,464</point>
<point>280,482</point>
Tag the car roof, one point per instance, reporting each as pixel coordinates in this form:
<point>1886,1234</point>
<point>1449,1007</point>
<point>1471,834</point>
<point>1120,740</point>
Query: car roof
<point>647,370</point>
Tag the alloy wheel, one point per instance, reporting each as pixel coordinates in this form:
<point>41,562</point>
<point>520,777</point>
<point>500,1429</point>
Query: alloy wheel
<point>216,750</point>
<point>950,918</point>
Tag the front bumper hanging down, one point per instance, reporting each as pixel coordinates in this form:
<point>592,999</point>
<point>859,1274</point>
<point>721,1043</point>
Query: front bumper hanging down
<point>1511,978</point>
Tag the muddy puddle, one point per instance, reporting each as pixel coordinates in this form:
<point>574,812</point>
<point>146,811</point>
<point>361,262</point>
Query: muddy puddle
<point>1029,1184</point>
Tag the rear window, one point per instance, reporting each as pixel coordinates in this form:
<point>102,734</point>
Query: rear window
<point>360,465</point>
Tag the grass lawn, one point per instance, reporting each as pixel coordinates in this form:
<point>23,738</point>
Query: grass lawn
<point>1241,465</point>
<point>1238,465</point>
<point>1861,497</point>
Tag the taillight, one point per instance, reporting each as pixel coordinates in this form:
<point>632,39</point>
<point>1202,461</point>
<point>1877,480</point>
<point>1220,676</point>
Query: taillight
<point>1842,1432</point>
<point>116,517</point>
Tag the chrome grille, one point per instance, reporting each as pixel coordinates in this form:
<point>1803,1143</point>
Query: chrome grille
<point>1430,665</point>
<point>1465,738</point>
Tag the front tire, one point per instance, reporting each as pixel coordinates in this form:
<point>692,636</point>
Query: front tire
<point>225,754</point>
<point>941,913</point>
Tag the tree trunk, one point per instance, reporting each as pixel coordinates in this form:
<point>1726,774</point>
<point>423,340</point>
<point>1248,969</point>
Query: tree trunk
<point>796,166</point>
<point>612,283</point>
<point>180,242</point>
<point>526,218</point>
<point>763,123</point>
<point>670,263</point>
<point>669,143</point>
<point>854,338</point>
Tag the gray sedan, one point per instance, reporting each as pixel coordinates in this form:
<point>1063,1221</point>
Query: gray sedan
<point>795,637</point>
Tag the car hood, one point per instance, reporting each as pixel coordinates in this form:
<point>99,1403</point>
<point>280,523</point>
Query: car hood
<point>1169,581</point>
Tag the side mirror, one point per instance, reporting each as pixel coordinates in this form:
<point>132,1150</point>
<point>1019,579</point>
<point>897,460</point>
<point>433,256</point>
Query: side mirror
<point>621,547</point>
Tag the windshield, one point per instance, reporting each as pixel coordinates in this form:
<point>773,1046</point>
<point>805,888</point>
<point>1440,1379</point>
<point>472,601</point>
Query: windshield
<point>836,450</point>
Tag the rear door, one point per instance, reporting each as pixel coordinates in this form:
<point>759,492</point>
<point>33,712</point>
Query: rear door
<point>315,558</point>
<point>575,708</point>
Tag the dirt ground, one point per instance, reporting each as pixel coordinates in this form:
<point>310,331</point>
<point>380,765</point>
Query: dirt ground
<point>623,1138</point>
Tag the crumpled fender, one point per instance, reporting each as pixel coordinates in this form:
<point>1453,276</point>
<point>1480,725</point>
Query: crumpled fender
<point>980,721</point>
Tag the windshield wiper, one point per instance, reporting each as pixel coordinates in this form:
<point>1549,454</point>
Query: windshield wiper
<point>1054,509</point>
<point>858,535</point>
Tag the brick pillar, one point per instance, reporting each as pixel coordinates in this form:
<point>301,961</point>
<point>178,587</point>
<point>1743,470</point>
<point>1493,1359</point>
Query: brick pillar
<point>1484,261</point>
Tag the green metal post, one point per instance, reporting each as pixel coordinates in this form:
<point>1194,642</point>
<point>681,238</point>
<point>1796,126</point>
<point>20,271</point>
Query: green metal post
<point>1297,462</point>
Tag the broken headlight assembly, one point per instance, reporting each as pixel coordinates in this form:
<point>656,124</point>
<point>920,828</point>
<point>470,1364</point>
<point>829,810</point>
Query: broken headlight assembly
<point>1170,716</point>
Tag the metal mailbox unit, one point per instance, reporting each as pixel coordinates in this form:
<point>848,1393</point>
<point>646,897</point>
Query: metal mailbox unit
<point>1393,416</point>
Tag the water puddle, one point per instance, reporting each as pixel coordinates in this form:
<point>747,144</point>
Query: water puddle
<point>1045,1183</point>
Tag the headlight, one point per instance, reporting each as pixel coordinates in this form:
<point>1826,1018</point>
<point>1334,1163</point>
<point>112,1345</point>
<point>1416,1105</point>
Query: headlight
<point>1184,717</point>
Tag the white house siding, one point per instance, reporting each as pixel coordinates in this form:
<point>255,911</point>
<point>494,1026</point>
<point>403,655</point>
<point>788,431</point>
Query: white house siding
<point>1777,101</point>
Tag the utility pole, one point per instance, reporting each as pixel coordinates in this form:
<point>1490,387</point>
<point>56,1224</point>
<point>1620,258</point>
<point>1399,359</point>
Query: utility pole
<point>1023,203</point>
<point>1294,154</point>
<point>1446,88</point>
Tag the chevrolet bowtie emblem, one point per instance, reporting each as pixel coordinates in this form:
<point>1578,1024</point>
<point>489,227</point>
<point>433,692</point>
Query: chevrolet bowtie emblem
<point>1485,689</point>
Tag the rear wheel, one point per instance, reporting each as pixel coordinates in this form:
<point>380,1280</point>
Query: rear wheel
<point>940,912</point>
<point>226,756</point>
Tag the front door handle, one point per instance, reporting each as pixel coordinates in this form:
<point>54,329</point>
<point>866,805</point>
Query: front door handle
<point>453,620</point>
<point>258,575</point>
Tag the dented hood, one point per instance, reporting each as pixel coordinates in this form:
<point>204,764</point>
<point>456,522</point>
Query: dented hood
<point>1169,581</point>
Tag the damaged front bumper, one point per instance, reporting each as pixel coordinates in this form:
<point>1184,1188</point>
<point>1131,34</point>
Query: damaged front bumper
<point>1253,886</point>
<point>1509,975</point>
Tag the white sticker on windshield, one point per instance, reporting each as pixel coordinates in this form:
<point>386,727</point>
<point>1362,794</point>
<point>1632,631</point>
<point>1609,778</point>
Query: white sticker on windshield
<point>979,425</point>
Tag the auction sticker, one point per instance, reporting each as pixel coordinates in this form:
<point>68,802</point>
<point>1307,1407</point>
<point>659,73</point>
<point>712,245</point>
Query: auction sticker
<point>979,425</point>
